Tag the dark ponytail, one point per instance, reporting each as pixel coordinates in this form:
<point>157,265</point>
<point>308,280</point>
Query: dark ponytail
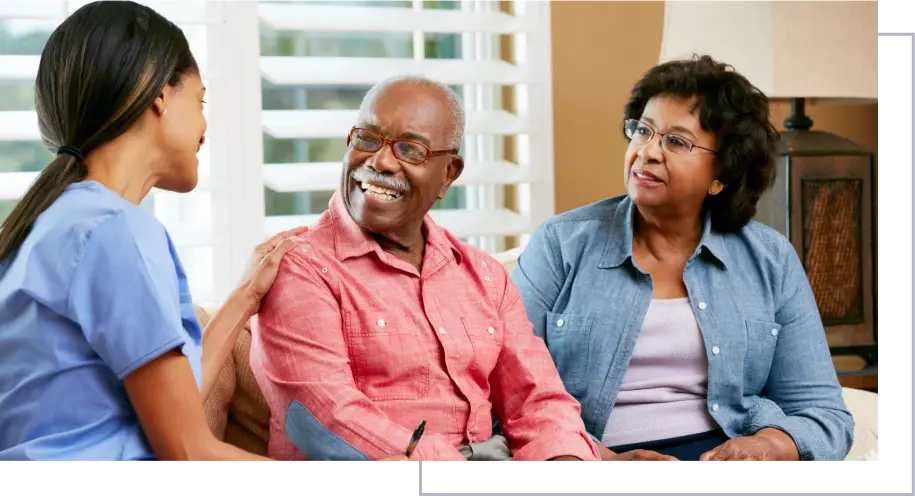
<point>101,69</point>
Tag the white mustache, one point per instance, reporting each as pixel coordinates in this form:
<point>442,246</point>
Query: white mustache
<point>364,174</point>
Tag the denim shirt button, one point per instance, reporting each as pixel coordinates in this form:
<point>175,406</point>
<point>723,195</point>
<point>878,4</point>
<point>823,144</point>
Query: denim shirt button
<point>560,323</point>
<point>716,350</point>
<point>715,407</point>
<point>774,332</point>
<point>702,305</point>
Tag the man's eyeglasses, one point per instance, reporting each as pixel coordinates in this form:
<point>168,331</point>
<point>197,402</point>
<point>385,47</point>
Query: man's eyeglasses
<point>412,152</point>
<point>642,133</point>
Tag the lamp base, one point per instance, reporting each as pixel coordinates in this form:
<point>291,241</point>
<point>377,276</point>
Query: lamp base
<point>823,201</point>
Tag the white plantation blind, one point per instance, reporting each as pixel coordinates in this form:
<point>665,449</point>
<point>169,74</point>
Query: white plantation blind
<point>284,82</point>
<point>319,58</point>
<point>195,221</point>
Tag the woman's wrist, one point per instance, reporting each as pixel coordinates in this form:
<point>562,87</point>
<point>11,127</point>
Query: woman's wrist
<point>784,444</point>
<point>246,300</point>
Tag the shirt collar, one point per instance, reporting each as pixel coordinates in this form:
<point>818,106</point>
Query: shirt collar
<point>618,248</point>
<point>351,240</point>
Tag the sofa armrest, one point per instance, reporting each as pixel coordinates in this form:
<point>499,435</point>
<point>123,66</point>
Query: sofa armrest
<point>863,407</point>
<point>217,403</point>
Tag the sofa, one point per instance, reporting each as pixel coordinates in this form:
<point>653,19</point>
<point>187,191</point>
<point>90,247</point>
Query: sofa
<point>237,413</point>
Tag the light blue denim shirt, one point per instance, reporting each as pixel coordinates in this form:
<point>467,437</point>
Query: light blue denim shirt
<point>587,299</point>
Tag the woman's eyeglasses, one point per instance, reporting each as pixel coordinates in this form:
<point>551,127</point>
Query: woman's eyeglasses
<point>642,133</point>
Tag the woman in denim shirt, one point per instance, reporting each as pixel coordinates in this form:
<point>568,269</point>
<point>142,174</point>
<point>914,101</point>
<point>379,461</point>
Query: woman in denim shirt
<point>685,329</point>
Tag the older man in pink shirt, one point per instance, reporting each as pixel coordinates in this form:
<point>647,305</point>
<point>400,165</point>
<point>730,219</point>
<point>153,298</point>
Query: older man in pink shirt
<point>379,319</point>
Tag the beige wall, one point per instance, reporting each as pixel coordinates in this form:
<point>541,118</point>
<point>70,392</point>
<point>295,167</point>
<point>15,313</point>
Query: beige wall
<point>599,50</point>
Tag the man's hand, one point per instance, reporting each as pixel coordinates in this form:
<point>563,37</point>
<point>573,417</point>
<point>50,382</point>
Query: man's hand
<point>605,454</point>
<point>767,444</point>
<point>400,458</point>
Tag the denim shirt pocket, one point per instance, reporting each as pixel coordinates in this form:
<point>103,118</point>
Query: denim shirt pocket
<point>761,339</point>
<point>568,337</point>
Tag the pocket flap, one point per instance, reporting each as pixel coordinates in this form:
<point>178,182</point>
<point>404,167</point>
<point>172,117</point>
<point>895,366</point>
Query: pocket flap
<point>760,329</point>
<point>567,322</point>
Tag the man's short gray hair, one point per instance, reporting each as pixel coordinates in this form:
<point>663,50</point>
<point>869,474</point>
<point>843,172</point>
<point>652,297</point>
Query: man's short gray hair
<point>455,106</point>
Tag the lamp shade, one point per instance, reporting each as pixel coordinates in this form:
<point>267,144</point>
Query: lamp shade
<point>821,50</point>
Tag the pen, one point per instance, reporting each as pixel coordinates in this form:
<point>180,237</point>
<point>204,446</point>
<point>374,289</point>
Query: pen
<point>418,433</point>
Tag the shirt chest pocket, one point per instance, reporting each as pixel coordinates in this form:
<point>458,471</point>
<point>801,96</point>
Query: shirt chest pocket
<point>567,337</point>
<point>485,336</point>
<point>387,356</point>
<point>761,340</point>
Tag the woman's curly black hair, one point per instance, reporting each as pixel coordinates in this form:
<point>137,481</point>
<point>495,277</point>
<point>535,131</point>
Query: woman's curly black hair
<point>737,113</point>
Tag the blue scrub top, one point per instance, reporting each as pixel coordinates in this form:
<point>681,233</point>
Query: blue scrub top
<point>95,292</point>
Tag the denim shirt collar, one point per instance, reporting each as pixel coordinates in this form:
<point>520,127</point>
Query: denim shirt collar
<point>618,248</point>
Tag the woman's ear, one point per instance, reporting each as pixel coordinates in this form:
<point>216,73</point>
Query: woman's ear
<point>160,104</point>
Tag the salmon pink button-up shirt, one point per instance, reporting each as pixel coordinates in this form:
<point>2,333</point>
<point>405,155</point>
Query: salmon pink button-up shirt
<point>371,347</point>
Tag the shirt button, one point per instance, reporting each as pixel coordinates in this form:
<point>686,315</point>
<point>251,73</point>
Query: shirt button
<point>702,305</point>
<point>560,323</point>
<point>484,264</point>
<point>715,407</point>
<point>324,270</point>
<point>488,278</point>
<point>380,322</point>
<point>442,330</point>
<point>775,332</point>
<point>491,331</point>
<point>716,350</point>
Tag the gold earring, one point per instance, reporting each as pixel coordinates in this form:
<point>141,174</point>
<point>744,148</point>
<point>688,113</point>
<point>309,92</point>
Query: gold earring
<point>715,188</point>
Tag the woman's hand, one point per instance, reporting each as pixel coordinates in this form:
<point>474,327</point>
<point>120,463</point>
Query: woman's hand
<point>261,270</point>
<point>767,444</point>
<point>634,455</point>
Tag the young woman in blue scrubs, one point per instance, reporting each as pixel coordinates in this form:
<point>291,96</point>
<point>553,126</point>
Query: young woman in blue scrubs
<point>101,355</point>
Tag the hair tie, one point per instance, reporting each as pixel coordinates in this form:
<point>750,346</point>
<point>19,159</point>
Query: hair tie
<point>71,150</point>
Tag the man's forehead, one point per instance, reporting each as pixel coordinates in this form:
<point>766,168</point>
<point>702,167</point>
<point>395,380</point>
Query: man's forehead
<point>399,131</point>
<point>405,121</point>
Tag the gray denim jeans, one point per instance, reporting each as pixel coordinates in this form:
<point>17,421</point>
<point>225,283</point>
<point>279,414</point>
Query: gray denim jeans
<point>493,449</point>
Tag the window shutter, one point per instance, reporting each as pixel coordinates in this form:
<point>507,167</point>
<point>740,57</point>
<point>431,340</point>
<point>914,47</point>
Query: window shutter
<point>319,58</point>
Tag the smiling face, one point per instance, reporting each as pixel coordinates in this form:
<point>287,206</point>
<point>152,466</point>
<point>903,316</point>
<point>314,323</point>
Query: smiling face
<point>657,178</point>
<point>385,194</point>
<point>181,132</point>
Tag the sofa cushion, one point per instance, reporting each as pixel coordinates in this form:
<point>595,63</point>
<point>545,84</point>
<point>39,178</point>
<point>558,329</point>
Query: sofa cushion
<point>863,407</point>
